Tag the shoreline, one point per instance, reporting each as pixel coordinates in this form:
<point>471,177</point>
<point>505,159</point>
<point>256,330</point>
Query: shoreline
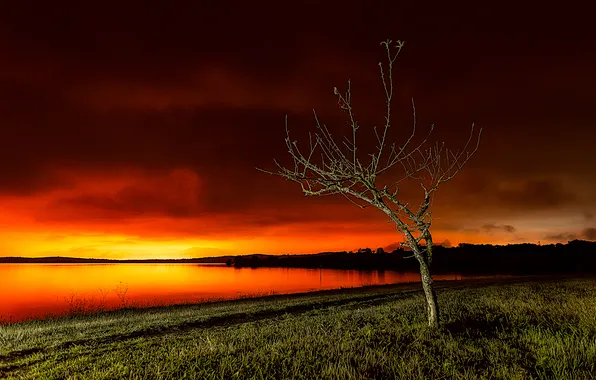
<point>356,293</point>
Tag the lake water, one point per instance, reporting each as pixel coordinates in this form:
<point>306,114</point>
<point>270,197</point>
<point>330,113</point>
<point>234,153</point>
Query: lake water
<point>40,290</point>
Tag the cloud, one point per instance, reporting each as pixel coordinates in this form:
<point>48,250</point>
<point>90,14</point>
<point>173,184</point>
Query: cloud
<point>181,202</point>
<point>536,194</point>
<point>215,142</point>
<point>589,233</point>
<point>561,237</point>
<point>174,194</point>
<point>478,196</point>
<point>588,216</point>
<point>505,227</point>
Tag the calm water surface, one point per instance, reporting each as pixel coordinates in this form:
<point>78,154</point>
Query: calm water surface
<point>39,290</point>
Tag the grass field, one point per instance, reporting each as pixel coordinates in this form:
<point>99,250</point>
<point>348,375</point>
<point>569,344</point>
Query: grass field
<point>495,329</point>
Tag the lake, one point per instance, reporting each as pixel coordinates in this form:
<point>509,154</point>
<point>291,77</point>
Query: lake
<point>42,290</point>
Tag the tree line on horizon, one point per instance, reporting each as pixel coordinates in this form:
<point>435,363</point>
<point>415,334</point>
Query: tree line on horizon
<point>577,256</point>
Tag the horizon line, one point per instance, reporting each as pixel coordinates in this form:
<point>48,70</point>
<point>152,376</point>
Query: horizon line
<point>252,254</point>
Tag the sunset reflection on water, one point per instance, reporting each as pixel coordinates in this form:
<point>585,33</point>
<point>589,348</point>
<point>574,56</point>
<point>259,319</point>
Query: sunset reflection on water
<point>41,290</point>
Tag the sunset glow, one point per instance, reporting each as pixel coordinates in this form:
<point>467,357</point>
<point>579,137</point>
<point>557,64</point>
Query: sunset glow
<point>143,143</point>
<point>137,214</point>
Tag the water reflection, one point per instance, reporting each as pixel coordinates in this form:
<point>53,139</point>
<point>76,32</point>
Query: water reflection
<point>37,290</point>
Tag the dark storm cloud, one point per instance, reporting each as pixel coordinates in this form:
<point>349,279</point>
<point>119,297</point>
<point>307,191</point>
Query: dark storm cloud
<point>505,227</point>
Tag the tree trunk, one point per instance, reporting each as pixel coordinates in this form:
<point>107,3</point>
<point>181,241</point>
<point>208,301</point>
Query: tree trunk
<point>432,308</point>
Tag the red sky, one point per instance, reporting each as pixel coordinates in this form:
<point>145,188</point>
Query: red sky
<point>133,129</point>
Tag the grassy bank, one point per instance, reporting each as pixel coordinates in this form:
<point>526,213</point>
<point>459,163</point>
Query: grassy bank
<point>513,329</point>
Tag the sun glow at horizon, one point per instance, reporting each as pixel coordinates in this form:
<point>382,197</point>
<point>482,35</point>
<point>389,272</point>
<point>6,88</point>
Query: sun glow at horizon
<point>98,245</point>
<point>160,215</point>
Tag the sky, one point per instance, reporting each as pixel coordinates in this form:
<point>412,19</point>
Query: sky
<point>133,129</point>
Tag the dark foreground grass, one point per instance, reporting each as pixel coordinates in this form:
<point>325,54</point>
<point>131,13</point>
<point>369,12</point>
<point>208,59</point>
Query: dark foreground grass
<point>507,329</point>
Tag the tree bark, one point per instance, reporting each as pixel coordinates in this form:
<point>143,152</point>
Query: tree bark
<point>432,307</point>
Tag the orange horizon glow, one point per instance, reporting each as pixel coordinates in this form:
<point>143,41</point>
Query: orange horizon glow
<point>96,216</point>
<point>140,145</point>
<point>70,242</point>
<point>89,218</point>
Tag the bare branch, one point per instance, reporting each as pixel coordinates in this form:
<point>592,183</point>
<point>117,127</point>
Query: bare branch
<point>341,171</point>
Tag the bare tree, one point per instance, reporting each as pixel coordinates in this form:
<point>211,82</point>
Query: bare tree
<point>330,167</point>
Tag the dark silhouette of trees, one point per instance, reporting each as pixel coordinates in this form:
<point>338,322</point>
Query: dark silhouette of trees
<point>576,256</point>
<point>335,166</point>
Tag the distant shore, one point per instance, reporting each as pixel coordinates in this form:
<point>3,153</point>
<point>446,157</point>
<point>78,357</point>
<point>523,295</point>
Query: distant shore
<point>577,256</point>
<point>78,260</point>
